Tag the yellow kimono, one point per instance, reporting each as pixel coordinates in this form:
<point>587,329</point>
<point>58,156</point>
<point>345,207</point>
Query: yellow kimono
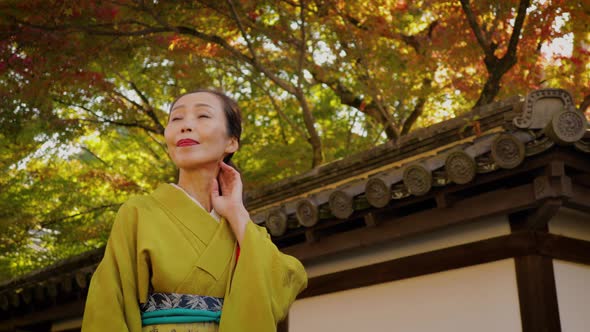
<point>167,242</point>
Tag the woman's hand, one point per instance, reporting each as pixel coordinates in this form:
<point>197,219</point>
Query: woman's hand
<point>230,204</point>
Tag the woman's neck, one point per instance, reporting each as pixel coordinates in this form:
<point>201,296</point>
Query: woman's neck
<point>197,183</point>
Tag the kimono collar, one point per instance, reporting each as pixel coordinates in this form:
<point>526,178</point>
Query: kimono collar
<point>213,213</point>
<point>193,217</point>
<point>217,236</point>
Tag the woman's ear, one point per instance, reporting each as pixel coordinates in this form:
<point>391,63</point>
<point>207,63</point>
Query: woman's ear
<point>232,146</point>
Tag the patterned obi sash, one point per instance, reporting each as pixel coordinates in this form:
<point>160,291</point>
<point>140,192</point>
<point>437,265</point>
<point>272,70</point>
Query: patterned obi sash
<point>172,308</point>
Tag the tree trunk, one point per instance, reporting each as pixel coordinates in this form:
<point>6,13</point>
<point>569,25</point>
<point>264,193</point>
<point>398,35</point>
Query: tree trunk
<point>495,66</point>
<point>314,137</point>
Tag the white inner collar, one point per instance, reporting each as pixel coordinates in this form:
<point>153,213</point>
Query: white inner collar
<point>213,213</point>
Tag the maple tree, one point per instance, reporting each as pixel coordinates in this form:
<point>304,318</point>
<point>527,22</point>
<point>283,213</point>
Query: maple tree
<point>85,87</point>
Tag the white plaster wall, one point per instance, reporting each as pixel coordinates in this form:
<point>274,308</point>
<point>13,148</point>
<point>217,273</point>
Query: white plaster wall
<point>448,237</point>
<point>571,223</point>
<point>477,298</point>
<point>572,282</point>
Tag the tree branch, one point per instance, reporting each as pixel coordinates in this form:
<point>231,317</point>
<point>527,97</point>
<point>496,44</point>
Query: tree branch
<point>495,66</point>
<point>285,117</point>
<point>127,99</point>
<point>518,23</point>
<point>349,98</point>
<point>148,110</point>
<point>105,120</point>
<point>243,31</point>
<point>91,30</point>
<point>95,156</point>
<point>417,111</point>
<point>89,211</point>
<point>302,50</point>
<point>277,108</point>
<point>253,62</point>
<point>308,118</point>
<point>411,119</point>
<point>481,40</point>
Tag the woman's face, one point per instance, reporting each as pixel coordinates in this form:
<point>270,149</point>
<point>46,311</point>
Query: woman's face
<point>196,134</point>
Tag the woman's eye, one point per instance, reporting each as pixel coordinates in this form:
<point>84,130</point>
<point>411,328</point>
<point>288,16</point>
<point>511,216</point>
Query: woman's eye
<point>203,116</point>
<point>174,119</point>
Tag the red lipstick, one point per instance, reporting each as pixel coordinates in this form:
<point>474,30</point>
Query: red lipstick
<point>186,142</point>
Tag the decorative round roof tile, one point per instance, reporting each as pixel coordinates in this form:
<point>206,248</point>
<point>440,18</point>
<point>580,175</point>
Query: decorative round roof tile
<point>460,167</point>
<point>417,179</point>
<point>341,204</point>
<point>276,222</point>
<point>307,213</point>
<point>378,192</point>
<point>566,127</point>
<point>507,151</point>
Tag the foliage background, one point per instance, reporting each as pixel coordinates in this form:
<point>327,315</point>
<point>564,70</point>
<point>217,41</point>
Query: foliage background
<point>85,86</point>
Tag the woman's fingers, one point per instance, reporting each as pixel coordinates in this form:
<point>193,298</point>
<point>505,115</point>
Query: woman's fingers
<point>214,188</point>
<point>225,181</point>
<point>230,180</point>
<point>229,170</point>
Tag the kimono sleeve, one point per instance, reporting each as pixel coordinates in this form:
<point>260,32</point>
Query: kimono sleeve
<point>263,287</point>
<point>112,303</point>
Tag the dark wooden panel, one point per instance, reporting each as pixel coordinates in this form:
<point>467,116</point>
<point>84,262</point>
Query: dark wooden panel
<point>537,294</point>
<point>64,311</point>
<point>580,199</point>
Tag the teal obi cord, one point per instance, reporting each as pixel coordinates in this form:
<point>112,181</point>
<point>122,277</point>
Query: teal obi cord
<point>179,315</point>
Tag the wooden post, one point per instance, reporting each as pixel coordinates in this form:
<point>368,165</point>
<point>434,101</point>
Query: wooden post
<point>537,294</point>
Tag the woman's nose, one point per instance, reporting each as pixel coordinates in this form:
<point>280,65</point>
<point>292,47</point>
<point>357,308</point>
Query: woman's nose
<point>185,129</point>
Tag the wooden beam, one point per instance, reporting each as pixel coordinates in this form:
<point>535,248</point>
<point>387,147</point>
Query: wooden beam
<point>311,236</point>
<point>538,218</point>
<point>370,220</point>
<point>551,187</point>
<point>537,294</point>
<point>541,216</point>
<point>577,161</point>
<point>563,248</point>
<point>582,179</point>
<point>502,247</point>
<point>580,199</point>
<point>555,168</point>
<point>420,264</point>
<point>64,311</point>
<point>502,201</point>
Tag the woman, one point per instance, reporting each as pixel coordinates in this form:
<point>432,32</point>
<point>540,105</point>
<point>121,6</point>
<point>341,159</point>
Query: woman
<point>187,257</point>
